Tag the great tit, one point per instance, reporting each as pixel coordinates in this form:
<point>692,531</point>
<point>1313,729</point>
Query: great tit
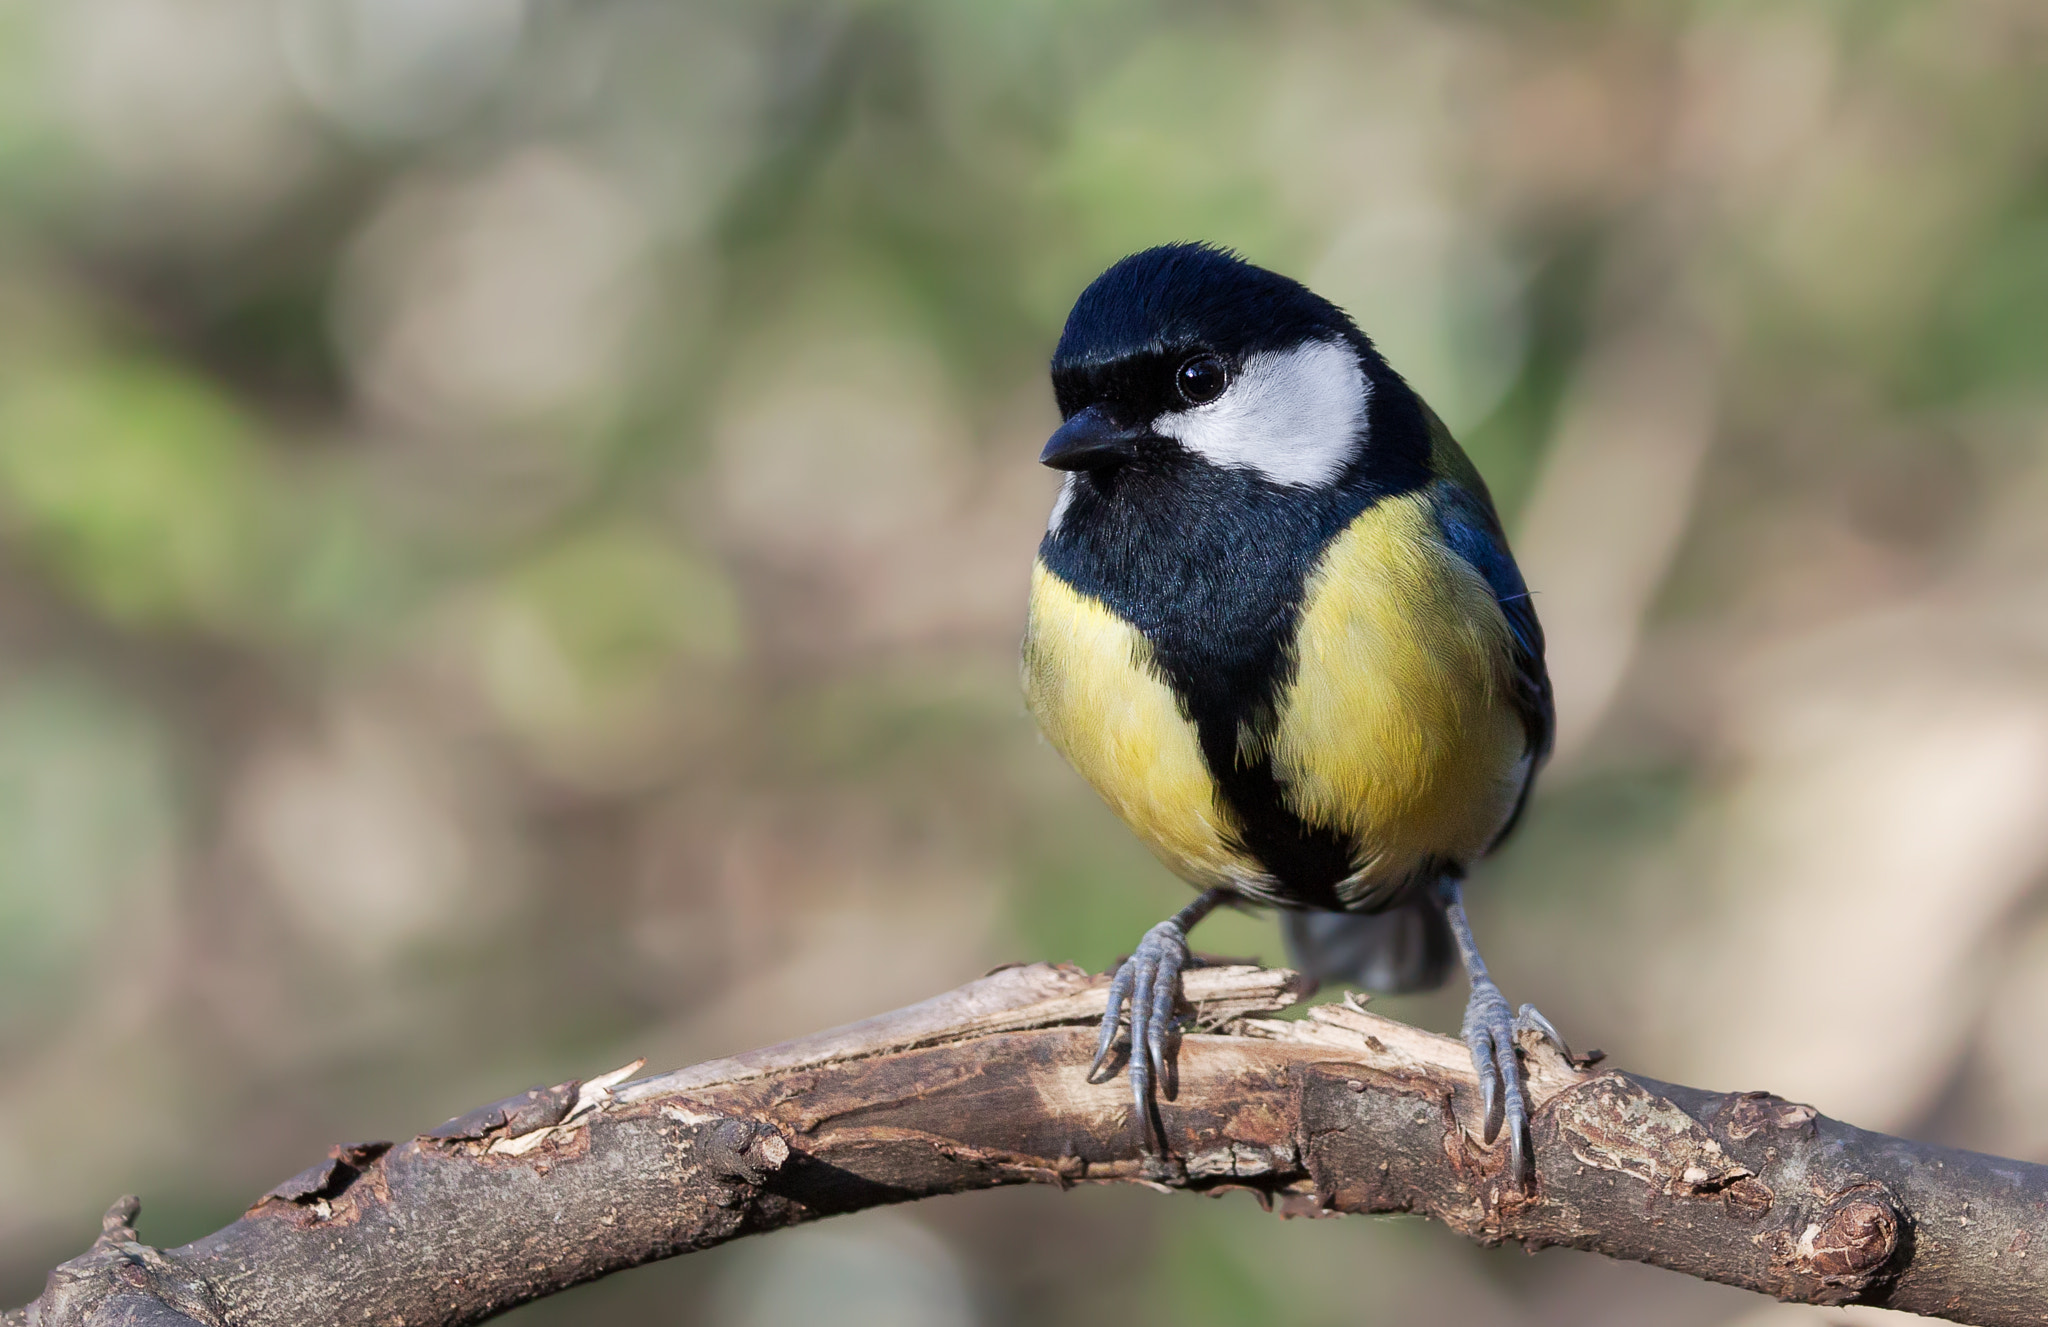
<point>1274,621</point>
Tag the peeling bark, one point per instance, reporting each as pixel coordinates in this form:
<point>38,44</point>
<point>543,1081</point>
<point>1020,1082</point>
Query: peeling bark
<point>1341,1111</point>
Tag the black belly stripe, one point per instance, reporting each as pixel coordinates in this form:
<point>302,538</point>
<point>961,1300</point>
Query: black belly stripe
<point>1306,860</point>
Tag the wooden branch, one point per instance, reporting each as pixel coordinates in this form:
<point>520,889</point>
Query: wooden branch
<point>1343,1111</point>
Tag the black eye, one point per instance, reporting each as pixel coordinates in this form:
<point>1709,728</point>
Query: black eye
<point>1201,380</point>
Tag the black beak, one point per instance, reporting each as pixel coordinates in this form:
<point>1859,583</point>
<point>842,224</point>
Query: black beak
<point>1091,440</point>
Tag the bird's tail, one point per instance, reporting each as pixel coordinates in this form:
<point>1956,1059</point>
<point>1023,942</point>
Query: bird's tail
<point>1406,948</point>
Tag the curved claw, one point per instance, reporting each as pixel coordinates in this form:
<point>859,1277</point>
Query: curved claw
<point>1520,1162</point>
<point>1492,1108</point>
<point>1165,990</point>
<point>1119,988</point>
<point>1529,1018</point>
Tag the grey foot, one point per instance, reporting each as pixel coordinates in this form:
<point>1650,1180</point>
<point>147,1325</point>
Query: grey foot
<point>1503,1088</point>
<point>1150,980</point>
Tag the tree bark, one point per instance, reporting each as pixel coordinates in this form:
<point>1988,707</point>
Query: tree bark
<point>1340,1111</point>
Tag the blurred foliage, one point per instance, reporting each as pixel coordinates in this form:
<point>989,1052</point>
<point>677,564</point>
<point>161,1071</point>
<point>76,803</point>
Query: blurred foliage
<point>513,529</point>
<point>138,487</point>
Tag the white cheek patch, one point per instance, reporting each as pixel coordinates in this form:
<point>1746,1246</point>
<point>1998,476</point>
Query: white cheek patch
<point>1295,416</point>
<point>1059,504</point>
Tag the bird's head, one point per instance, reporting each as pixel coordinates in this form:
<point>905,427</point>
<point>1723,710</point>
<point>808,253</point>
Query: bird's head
<point>1186,355</point>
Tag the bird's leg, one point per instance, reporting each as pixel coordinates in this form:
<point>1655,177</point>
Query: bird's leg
<point>1490,1033</point>
<point>1150,980</point>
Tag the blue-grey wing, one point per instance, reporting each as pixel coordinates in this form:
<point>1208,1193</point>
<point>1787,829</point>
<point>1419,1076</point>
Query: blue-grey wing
<point>1473,531</point>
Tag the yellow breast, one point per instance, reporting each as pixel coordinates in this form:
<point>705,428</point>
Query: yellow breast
<point>1397,726</point>
<point>1090,679</point>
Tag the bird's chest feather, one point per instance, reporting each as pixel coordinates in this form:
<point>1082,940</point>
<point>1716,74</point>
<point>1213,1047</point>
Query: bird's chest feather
<point>1396,725</point>
<point>1383,725</point>
<point>1091,680</point>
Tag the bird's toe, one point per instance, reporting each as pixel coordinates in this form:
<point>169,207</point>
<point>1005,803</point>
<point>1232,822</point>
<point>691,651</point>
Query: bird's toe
<point>1150,981</point>
<point>1503,1087</point>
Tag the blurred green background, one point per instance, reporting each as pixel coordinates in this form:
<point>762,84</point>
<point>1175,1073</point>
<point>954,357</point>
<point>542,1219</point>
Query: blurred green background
<point>514,518</point>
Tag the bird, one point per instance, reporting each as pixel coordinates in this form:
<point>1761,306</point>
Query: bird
<point>1275,622</point>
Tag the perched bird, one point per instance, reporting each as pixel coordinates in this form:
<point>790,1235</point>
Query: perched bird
<point>1275,623</point>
